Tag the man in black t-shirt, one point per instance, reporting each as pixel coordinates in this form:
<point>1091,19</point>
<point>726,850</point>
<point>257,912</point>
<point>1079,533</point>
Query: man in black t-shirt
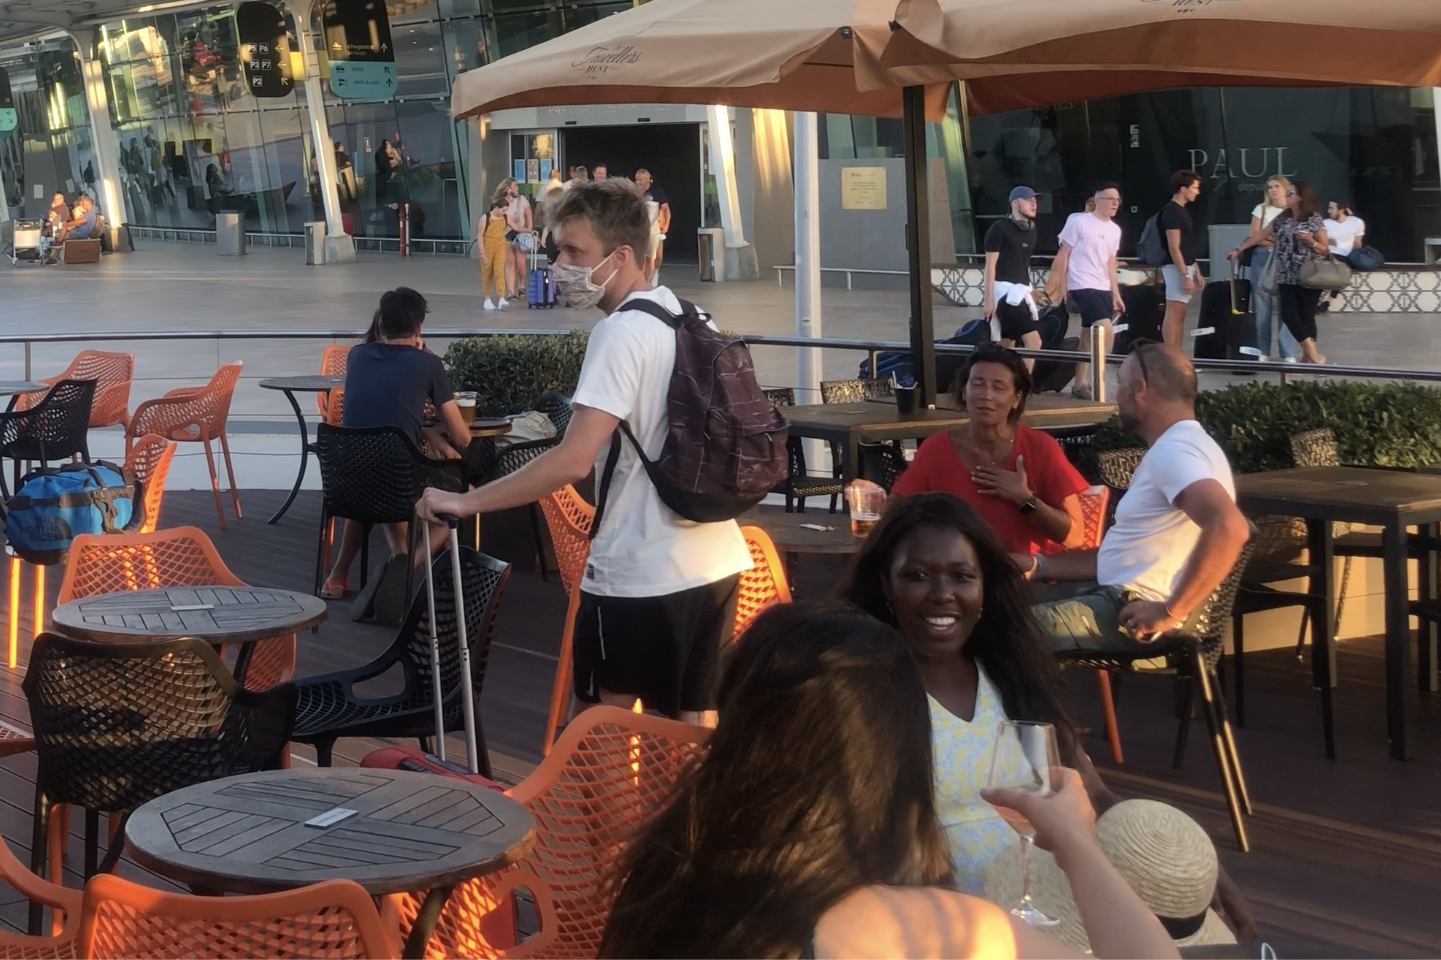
<point>1010,302</point>
<point>659,226</point>
<point>387,383</point>
<point>1183,277</point>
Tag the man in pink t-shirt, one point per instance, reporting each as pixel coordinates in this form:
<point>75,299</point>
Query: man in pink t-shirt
<point>1086,269</point>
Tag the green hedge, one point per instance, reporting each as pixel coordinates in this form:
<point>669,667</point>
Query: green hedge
<point>1376,424</point>
<point>509,373</point>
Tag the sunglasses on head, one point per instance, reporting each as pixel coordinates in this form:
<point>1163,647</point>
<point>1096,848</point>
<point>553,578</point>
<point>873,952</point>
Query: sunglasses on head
<point>1137,350</point>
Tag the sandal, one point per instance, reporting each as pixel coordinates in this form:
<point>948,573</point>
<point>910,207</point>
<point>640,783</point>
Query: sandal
<point>334,591</point>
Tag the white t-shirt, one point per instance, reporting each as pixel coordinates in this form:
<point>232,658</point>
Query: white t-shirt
<point>1093,243</point>
<point>1267,213</point>
<point>1152,540</point>
<point>1342,236</point>
<point>644,549</point>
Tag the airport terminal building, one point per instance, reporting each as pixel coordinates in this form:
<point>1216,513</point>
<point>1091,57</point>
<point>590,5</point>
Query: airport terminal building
<point>153,99</point>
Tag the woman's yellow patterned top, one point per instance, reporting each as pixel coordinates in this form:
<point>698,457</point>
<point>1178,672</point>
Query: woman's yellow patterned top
<point>962,757</point>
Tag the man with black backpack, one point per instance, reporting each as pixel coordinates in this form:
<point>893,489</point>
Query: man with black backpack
<point>669,415</point>
<point>1167,242</point>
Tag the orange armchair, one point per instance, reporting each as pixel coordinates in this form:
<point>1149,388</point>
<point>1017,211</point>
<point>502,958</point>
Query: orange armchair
<point>569,517</point>
<point>333,361</point>
<point>40,893</point>
<point>149,460</point>
<point>763,584</point>
<point>194,415</point>
<point>112,373</point>
<point>610,771</point>
<point>1093,515</point>
<point>335,919</point>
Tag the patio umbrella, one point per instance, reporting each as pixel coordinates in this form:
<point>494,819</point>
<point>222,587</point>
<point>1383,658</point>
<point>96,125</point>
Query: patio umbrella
<point>781,54</point>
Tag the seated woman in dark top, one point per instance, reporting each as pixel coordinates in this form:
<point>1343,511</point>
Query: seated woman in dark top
<point>388,381</point>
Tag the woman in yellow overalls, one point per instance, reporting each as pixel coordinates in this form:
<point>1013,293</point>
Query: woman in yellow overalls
<point>493,254</point>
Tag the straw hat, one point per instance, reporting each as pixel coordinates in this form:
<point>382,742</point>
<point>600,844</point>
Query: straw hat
<point>1165,856</point>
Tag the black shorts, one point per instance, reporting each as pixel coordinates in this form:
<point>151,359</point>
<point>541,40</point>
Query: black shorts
<point>1093,305</point>
<point>1016,321</point>
<point>510,236</point>
<point>664,650</point>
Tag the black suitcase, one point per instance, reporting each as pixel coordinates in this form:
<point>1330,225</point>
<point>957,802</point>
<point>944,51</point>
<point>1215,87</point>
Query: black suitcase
<point>1226,329</point>
<point>1052,376</point>
<point>1145,313</point>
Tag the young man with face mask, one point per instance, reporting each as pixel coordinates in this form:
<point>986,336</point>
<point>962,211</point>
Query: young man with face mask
<point>1010,302</point>
<point>659,592</point>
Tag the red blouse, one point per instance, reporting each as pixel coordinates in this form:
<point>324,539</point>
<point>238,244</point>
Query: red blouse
<point>1049,474</point>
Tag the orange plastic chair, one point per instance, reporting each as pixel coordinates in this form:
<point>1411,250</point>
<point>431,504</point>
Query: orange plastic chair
<point>178,557</point>
<point>334,919</point>
<point>763,584</point>
<point>569,517</point>
<point>194,415</point>
<point>334,406</point>
<point>611,770</point>
<point>1093,516</point>
<point>112,373</point>
<point>333,361</point>
<point>149,460</point>
<point>66,902</point>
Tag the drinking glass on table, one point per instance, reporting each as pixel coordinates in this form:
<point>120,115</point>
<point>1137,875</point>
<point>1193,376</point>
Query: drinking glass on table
<point>1026,758</point>
<point>866,502</point>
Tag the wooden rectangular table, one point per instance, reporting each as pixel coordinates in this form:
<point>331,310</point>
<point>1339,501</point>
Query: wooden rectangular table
<point>847,424</point>
<point>1392,500</point>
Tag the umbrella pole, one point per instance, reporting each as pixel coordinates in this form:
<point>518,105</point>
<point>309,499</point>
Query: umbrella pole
<point>918,243</point>
<point>808,264</point>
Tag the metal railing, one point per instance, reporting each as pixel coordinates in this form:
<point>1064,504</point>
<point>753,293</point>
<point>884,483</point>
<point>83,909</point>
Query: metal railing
<point>297,240</point>
<point>780,269</point>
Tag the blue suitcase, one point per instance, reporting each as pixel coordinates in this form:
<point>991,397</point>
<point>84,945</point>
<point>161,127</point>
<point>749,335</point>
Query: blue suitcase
<point>540,289</point>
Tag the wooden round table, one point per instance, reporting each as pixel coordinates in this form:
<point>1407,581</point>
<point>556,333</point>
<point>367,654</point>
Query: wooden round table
<point>290,386</point>
<point>391,831</point>
<point>15,389</point>
<point>215,614</point>
<point>791,532</point>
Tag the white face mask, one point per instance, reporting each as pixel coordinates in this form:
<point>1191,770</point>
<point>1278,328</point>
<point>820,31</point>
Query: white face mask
<point>576,286</point>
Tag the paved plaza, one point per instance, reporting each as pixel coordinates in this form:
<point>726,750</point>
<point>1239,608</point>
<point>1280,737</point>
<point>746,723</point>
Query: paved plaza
<point>186,288</point>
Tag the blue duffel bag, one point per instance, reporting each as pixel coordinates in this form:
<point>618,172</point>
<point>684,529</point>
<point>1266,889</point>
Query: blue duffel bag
<point>54,505</point>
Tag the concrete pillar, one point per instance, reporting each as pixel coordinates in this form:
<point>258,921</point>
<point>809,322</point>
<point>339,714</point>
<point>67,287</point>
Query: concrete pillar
<point>339,245</point>
<point>102,133</point>
<point>808,264</point>
<point>740,257</point>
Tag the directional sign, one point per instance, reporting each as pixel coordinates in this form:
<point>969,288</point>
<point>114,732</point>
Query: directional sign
<point>9,119</point>
<point>264,49</point>
<point>358,45</point>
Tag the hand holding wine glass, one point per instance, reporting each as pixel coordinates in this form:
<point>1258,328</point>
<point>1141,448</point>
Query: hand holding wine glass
<point>1025,771</point>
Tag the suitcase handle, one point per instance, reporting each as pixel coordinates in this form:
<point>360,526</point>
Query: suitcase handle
<point>449,519</point>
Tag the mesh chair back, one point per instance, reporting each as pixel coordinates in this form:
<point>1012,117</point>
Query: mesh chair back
<point>117,724</point>
<point>1119,466</point>
<point>781,396</point>
<point>882,463</point>
<point>334,919</point>
<point>483,579</point>
<point>511,458</point>
<point>1315,448</point>
<point>558,409</point>
<point>569,517</point>
<point>55,428</point>
<point>1093,515</point>
<point>608,774</point>
<point>854,391</point>
<point>112,373</point>
<point>369,474</point>
<point>1210,624</point>
<point>202,413</point>
<point>149,460</point>
<point>333,361</point>
<point>763,584</point>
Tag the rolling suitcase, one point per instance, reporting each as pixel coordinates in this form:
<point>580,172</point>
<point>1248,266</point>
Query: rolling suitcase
<point>1144,316</point>
<point>1226,329</point>
<point>540,292</point>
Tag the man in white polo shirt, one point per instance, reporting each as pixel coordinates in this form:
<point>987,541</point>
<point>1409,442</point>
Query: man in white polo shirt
<point>1087,269</point>
<point>659,593</point>
<point>1177,534</point>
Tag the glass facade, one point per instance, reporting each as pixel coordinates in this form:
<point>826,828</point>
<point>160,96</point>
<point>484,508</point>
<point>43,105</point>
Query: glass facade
<point>51,149</point>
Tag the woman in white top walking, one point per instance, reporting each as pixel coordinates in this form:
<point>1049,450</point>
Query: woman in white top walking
<point>1264,304</point>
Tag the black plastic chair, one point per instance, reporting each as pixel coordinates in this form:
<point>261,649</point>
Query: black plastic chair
<point>1195,654</point>
<point>559,409</point>
<point>501,461</point>
<point>55,428</point>
<point>328,707</point>
<point>881,463</point>
<point>799,483</point>
<point>119,724</point>
<point>374,475</point>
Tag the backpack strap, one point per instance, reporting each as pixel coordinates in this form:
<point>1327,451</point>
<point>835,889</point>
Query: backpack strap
<point>687,310</point>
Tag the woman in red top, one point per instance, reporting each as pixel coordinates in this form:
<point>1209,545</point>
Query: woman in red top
<point>1018,478</point>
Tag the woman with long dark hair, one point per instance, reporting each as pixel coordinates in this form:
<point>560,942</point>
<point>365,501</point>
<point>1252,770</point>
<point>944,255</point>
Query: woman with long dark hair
<point>935,570</point>
<point>1298,235</point>
<point>809,828</point>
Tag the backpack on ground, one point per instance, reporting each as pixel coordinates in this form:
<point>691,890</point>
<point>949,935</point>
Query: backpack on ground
<point>54,505</point>
<point>1151,248</point>
<point>725,445</point>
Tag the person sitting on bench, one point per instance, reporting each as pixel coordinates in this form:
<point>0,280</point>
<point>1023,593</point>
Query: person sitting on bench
<point>83,224</point>
<point>59,214</point>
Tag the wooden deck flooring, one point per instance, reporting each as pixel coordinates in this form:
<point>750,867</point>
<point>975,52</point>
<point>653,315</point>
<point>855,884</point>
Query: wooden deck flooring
<point>1344,852</point>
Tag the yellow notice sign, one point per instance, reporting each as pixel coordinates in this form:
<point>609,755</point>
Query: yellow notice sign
<point>863,188</point>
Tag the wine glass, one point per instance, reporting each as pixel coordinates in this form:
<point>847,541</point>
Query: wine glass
<point>1026,759</point>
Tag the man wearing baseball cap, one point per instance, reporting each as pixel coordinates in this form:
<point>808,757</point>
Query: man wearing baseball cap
<point>1010,302</point>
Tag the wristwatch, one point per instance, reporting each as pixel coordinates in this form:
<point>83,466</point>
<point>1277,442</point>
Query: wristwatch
<point>1028,508</point>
